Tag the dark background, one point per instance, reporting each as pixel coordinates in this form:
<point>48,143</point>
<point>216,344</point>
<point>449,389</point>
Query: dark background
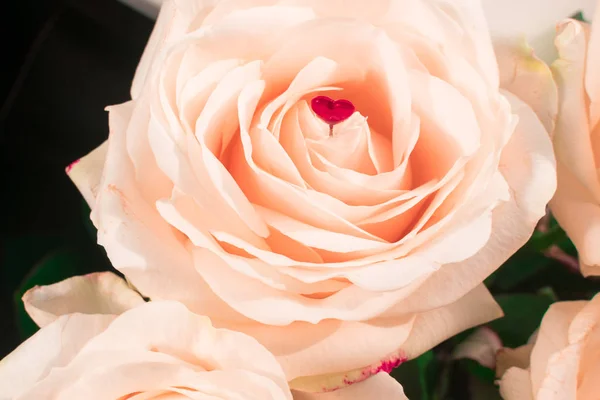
<point>63,61</point>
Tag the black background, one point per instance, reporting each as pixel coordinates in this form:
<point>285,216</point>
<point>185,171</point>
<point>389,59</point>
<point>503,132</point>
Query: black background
<point>63,61</point>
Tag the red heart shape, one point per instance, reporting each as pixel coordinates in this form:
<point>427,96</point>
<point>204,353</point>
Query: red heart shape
<point>330,111</point>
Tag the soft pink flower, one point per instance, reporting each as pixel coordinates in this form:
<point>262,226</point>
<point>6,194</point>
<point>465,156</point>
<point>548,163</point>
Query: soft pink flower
<point>100,340</point>
<point>563,362</point>
<point>576,204</point>
<point>220,188</point>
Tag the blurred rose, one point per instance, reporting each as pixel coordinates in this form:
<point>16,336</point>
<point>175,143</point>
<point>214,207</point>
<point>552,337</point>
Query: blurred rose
<point>564,360</point>
<point>576,204</point>
<point>155,350</point>
<point>346,254</point>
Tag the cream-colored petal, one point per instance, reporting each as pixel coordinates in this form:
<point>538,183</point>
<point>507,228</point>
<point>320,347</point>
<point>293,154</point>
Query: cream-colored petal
<point>592,77</point>
<point>52,347</point>
<point>528,167</point>
<point>433,327</point>
<point>175,18</point>
<point>552,337</point>
<point>529,78</point>
<point>381,386</point>
<point>507,358</point>
<point>516,385</point>
<point>87,172</point>
<point>572,141</point>
<point>98,293</point>
<point>579,215</point>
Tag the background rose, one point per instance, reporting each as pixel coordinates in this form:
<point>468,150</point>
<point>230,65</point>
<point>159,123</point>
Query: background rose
<point>576,204</point>
<point>219,188</point>
<point>563,362</point>
<point>153,350</point>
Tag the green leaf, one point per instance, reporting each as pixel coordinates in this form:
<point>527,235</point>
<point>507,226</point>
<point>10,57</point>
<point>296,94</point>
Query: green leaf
<point>579,16</point>
<point>521,267</point>
<point>52,268</point>
<point>484,374</point>
<point>523,314</point>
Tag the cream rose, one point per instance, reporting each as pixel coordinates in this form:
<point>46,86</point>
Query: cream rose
<point>100,340</point>
<point>564,360</point>
<point>343,253</point>
<point>576,204</point>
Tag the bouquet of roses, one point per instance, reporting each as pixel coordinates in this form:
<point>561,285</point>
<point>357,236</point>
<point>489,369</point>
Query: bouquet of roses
<point>303,198</point>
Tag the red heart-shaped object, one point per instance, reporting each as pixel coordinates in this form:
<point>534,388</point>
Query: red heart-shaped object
<point>332,111</point>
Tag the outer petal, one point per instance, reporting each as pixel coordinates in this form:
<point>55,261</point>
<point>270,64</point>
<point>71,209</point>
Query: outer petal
<point>174,20</point>
<point>529,78</point>
<point>99,293</point>
<point>516,385</point>
<point>507,358</point>
<point>592,77</point>
<point>87,172</point>
<point>579,215</point>
<point>552,338</point>
<point>380,386</point>
<point>51,347</point>
<point>528,166</point>
<point>572,141</point>
<point>428,329</point>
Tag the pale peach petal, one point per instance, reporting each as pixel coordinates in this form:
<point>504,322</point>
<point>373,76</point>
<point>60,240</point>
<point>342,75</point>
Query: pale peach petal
<point>507,358</point>
<point>553,336</point>
<point>52,347</point>
<point>516,385</point>
<point>98,293</point>
<point>161,347</point>
<point>512,222</point>
<point>295,346</point>
<point>572,136</point>
<point>592,77</point>
<point>561,375</point>
<point>529,78</point>
<point>579,215</point>
<point>380,386</point>
<point>173,20</point>
<point>432,327</point>
<point>87,172</point>
<point>138,241</point>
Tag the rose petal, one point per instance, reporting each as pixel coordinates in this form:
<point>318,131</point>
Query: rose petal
<point>516,385</point>
<point>98,293</point>
<point>592,77</point>
<point>529,78</point>
<point>51,347</point>
<point>579,215</point>
<point>380,386</point>
<point>507,358</point>
<point>529,169</point>
<point>553,337</point>
<point>174,19</point>
<point>572,136</point>
<point>87,172</point>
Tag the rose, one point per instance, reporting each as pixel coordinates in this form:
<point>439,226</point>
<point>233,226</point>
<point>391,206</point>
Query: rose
<point>220,188</point>
<point>85,350</point>
<point>576,204</point>
<point>563,361</point>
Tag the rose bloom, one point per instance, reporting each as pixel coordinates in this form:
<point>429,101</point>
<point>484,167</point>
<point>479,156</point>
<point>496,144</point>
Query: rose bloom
<point>564,360</point>
<point>346,253</point>
<point>576,204</point>
<point>100,340</point>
